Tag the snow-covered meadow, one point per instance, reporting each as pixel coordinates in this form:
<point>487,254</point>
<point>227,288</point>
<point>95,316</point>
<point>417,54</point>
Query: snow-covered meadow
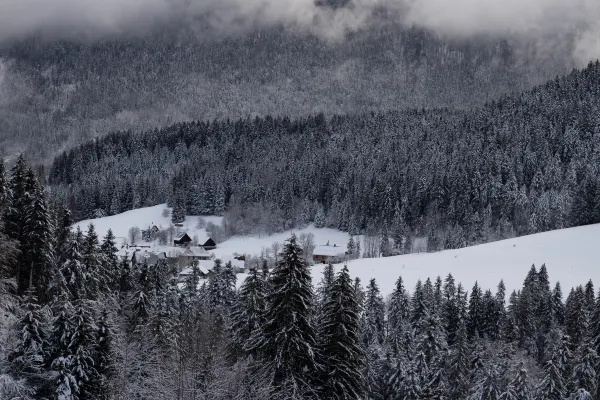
<point>571,255</point>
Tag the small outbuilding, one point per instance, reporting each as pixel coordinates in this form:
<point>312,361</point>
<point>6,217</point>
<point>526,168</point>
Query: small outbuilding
<point>326,254</point>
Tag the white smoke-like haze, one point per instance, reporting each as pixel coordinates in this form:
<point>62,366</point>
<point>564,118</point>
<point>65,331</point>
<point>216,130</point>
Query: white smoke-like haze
<point>575,21</point>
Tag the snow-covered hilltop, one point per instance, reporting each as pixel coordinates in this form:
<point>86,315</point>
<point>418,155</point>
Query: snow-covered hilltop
<point>570,254</point>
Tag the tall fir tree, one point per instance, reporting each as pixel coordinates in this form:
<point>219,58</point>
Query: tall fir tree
<point>340,342</point>
<point>288,340</point>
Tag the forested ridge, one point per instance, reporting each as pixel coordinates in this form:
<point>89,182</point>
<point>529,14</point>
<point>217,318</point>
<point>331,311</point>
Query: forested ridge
<point>77,323</point>
<point>522,164</point>
<point>60,93</point>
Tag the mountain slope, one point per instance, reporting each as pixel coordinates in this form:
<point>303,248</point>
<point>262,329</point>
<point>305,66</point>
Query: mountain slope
<point>62,93</point>
<point>570,255</point>
<point>524,164</point>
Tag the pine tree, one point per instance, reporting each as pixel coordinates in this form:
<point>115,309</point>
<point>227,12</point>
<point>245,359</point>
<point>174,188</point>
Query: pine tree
<point>488,386</point>
<point>31,354</point>
<point>81,349</point>
<point>458,379</point>
<point>552,386</point>
<point>142,303</point>
<point>324,287</point>
<point>108,251</point>
<point>96,278</point>
<point>288,342</point>
<point>192,281</point>
<point>125,278</point>
<point>450,310</point>
<point>341,352</point>
<point>398,315</point>
<point>247,316</point>
<point>518,388</point>
<point>585,363</point>
<point>229,285</point>
<point>217,290</point>
<point>475,319</point>
<point>74,270</point>
<point>38,240</point>
<point>558,307</point>
<point>373,316</point>
<point>104,359</point>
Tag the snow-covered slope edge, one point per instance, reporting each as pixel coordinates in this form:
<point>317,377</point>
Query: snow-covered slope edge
<point>572,257</point>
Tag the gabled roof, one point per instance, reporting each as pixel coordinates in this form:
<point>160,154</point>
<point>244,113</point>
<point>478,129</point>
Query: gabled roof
<point>188,271</point>
<point>181,236</point>
<point>330,251</point>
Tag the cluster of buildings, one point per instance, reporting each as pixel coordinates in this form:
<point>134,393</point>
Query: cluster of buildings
<point>182,254</point>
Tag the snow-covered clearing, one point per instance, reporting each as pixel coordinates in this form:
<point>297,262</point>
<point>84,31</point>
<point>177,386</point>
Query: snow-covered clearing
<point>571,255</point>
<point>142,218</point>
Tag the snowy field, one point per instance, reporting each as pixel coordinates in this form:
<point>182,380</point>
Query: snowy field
<point>570,255</point>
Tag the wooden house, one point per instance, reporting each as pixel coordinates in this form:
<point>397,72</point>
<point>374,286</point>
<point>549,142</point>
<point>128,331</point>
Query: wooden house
<point>327,254</point>
<point>182,240</point>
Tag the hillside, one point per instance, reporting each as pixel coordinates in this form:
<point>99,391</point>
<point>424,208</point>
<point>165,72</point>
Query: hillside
<point>524,164</point>
<point>65,92</point>
<point>570,254</point>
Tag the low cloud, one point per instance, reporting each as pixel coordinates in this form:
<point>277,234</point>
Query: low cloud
<point>574,21</point>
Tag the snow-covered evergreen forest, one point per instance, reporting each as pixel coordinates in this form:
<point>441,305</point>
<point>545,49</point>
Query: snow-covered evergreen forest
<point>523,164</point>
<point>64,92</point>
<point>76,323</point>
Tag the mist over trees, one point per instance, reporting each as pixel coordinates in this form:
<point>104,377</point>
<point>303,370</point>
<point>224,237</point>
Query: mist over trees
<point>64,92</point>
<point>523,164</point>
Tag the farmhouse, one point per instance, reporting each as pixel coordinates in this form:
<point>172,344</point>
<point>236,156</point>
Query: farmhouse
<point>207,243</point>
<point>150,257</point>
<point>182,240</point>
<point>326,254</point>
<point>191,254</point>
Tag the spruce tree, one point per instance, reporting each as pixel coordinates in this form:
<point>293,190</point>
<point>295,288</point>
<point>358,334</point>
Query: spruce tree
<point>552,386</point>
<point>585,363</point>
<point>108,251</point>
<point>287,342</point>
<point>558,307</point>
<point>398,315</point>
<point>96,278</point>
<point>373,316</point>
<point>475,320</point>
<point>247,316</point>
<point>31,355</point>
<point>488,386</point>
<point>37,242</point>
<point>341,352</point>
<point>519,388</point>
<point>81,349</point>
<point>104,359</point>
<point>74,270</point>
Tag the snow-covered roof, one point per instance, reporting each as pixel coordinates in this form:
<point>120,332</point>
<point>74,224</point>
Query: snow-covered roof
<point>188,271</point>
<point>330,251</point>
<point>180,236</point>
<point>196,251</point>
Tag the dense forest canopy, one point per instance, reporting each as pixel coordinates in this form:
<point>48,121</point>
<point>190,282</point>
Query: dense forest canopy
<point>522,164</point>
<point>63,92</point>
<point>78,323</point>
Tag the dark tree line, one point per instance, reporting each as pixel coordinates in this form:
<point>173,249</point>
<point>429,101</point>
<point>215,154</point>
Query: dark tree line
<point>89,326</point>
<point>523,164</point>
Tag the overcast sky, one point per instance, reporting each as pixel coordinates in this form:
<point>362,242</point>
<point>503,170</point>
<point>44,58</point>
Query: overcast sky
<point>539,19</point>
